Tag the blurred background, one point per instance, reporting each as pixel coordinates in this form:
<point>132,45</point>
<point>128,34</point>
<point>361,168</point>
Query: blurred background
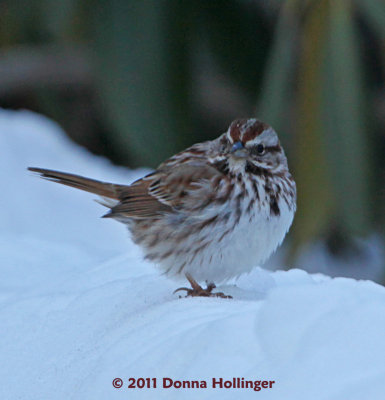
<point>139,80</point>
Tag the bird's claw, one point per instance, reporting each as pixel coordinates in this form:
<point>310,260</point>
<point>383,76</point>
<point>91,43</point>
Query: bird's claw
<point>197,290</point>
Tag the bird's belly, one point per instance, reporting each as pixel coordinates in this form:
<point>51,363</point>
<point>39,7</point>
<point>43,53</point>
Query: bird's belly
<point>232,248</point>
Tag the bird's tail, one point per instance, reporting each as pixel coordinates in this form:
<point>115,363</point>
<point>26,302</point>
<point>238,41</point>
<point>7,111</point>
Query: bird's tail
<point>103,189</point>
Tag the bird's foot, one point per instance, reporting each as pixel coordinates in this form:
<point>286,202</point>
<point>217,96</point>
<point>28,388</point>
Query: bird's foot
<point>197,290</point>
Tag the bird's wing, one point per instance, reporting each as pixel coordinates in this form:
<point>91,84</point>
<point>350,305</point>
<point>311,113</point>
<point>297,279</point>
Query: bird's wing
<point>185,185</point>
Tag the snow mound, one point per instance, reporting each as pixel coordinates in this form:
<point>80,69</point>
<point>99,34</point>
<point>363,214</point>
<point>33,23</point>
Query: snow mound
<point>79,307</point>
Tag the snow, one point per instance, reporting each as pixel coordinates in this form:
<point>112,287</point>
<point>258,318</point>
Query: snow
<point>79,307</point>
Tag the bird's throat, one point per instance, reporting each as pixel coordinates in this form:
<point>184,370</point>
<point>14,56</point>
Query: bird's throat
<point>237,165</point>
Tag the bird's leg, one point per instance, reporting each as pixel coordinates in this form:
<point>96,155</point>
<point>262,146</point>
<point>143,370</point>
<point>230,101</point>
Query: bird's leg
<point>197,290</point>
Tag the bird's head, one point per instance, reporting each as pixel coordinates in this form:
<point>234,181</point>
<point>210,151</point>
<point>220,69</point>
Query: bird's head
<point>251,143</point>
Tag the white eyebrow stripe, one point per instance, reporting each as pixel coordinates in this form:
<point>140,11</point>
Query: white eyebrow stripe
<point>256,140</point>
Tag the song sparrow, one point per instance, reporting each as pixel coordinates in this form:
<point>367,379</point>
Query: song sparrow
<point>210,212</point>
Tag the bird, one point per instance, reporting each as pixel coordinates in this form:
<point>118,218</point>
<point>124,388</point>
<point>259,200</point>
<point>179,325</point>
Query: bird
<point>209,213</point>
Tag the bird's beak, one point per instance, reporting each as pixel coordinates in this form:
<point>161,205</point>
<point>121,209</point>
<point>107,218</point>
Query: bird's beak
<point>238,150</point>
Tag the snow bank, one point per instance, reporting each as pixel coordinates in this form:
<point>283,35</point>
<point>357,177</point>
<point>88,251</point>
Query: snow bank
<point>79,307</point>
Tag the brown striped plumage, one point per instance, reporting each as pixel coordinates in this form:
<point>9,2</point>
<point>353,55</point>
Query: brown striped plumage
<point>212,211</point>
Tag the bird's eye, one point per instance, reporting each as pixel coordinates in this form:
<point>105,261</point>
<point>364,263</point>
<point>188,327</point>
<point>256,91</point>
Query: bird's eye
<point>260,149</point>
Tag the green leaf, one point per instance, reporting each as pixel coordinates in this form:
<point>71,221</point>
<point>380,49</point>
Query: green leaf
<point>277,92</point>
<point>345,135</point>
<point>311,169</point>
<point>142,83</point>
